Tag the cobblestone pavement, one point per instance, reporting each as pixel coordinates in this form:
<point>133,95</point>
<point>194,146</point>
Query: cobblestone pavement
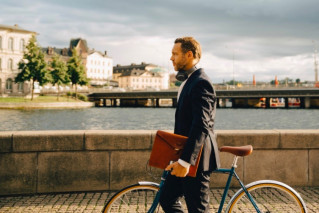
<point>94,202</point>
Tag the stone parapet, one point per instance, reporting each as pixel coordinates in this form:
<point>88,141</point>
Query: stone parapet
<point>69,161</point>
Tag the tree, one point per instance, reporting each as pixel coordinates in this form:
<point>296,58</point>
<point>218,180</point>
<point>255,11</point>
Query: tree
<point>33,66</point>
<point>76,71</point>
<point>59,73</point>
<point>298,80</point>
<point>232,82</point>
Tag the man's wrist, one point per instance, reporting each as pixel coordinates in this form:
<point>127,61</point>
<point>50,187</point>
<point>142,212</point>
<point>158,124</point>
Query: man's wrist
<point>184,164</point>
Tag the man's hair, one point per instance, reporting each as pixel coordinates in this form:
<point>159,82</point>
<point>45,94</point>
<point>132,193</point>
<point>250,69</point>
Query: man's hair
<point>190,44</point>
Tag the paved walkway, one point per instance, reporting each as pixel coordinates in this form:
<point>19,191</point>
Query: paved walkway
<point>94,202</point>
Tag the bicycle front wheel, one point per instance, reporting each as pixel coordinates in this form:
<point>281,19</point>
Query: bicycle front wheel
<point>269,196</point>
<point>135,198</point>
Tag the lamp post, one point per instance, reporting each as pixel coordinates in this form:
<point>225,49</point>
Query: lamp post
<point>233,67</point>
<point>233,58</point>
<point>315,61</point>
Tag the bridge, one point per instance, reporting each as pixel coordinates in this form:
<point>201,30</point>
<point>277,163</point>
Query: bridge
<point>307,97</point>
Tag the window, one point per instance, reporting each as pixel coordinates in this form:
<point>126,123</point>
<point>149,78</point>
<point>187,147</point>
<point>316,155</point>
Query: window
<point>22,45</point>
<point>0,42</point>
<point>10,44</point>
<point>20,86</point>
<point>10,64</point>
<point>0,65</point>
<point>9,84</point>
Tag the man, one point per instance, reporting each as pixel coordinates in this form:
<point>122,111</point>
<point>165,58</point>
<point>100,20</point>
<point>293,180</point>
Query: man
<point>194,118</point>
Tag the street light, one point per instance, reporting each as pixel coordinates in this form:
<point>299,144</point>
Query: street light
<point>233,67</point>
<point>233,56</point>
<point>315,60</point>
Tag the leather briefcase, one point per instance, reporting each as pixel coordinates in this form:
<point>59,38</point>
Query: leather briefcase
<point>168,147</point>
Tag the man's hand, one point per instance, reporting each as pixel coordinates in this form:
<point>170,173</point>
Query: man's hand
<point>177,169</point>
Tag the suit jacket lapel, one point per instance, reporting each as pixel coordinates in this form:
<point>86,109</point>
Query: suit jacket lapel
<point>188,82</point>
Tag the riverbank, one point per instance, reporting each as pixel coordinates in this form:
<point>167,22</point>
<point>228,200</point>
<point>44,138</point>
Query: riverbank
<point>49,105</point>
<point>43,102</point>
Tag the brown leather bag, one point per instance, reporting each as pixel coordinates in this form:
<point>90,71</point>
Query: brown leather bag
<point>168,147</point>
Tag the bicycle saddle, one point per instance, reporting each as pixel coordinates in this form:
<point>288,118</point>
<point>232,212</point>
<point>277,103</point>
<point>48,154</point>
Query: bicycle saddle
<point>238,150</point>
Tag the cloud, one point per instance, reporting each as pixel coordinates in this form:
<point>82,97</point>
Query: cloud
<point>266,37</point>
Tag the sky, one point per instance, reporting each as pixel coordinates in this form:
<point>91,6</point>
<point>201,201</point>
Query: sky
<point>239,38</point>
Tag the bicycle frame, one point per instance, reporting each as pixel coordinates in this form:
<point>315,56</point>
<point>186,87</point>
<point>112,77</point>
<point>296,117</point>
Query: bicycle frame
<point>231,173</point>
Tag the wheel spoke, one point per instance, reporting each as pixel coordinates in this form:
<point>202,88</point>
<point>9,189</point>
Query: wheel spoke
<point>269,198</point>
<point>137,198</point>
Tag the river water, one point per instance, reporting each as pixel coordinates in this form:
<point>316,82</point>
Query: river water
<point>152,119</point>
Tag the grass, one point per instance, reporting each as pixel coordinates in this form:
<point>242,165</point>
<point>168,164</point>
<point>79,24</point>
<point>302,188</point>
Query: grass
<point>39,99</point>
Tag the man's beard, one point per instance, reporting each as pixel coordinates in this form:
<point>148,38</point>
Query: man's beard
<point>181,65</point>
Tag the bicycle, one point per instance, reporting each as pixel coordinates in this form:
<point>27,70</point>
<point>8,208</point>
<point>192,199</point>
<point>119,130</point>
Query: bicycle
<point>264,196</point>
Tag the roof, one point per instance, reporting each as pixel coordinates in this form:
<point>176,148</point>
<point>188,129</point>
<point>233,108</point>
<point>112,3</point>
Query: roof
<point>15,28</point>
<point>99,52</point>
<point>74,43</point>
<point>58,51</point>
<point>158,69</point>
<point>118,68</point>
<point>135,72</point>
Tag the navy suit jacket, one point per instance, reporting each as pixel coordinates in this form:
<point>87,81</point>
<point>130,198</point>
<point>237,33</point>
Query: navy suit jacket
<point>194,118</point>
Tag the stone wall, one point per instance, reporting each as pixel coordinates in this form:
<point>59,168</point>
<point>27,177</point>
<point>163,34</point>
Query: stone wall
<point>66,161</point>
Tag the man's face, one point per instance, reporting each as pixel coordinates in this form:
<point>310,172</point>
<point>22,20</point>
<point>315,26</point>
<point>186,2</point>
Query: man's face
<point>178,57</point>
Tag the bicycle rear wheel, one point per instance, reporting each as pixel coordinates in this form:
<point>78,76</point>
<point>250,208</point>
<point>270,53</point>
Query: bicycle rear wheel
<point>270,196</point>
<point>135,198</point>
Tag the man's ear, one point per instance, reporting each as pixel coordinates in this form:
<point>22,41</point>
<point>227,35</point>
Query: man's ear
<point>190,54</point>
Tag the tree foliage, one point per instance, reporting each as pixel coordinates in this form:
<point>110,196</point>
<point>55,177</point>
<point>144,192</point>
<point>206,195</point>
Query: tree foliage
<point>59,73</point>
<point>33,66</point>
<point>76,70</point>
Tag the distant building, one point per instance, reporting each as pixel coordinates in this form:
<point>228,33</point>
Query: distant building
<point>13,40</point>
<point>98,65</point>
<point>142,76</point>
<point>118,70</point>
<point>99,68</point>
<point>173,80</point>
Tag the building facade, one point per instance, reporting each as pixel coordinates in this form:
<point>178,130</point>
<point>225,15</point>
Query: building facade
<point>13,40</point>
<point>99,68</point>
<point>141,77</point>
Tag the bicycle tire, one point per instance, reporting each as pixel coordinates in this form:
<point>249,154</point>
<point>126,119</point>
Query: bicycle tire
<point>270,196</point>
<point>134,198</point>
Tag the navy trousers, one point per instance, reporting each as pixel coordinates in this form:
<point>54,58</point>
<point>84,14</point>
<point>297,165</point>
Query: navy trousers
<point>195,190</point>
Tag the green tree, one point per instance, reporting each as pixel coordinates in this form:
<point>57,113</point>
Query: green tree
<point>59,73</point>
<point>298,80</point>
<point>33,66</point>
<point>178,83</point>
<point>76,71</point>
